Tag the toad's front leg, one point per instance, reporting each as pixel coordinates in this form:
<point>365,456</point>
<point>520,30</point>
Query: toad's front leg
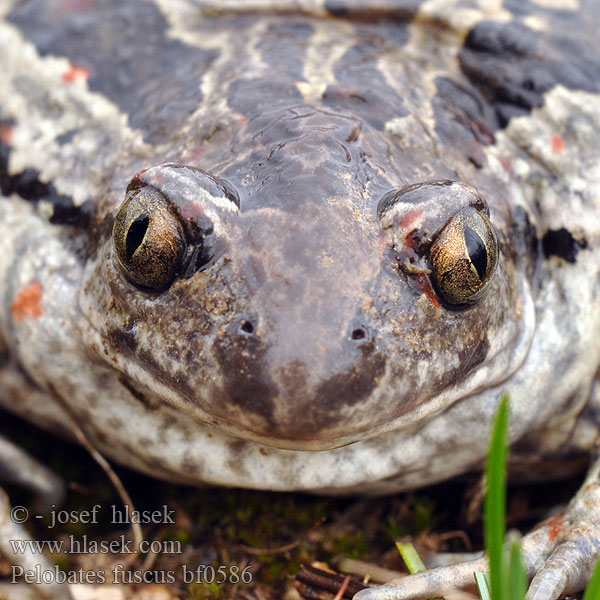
<point>560,556</point>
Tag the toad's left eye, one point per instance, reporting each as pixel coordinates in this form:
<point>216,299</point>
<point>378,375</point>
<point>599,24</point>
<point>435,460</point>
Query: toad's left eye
<point>464,258</point>
<point>148,239</point>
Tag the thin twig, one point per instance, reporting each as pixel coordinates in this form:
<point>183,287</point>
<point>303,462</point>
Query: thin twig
<point>263,551</point>
<point>361,569</point>
<point>343,588</point>
<point>283,548</point>
<point>104,464</point>
<point>318,579</point>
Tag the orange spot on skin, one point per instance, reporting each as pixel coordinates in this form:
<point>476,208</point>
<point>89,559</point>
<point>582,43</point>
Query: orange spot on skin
<point>425,288</point>
<point>6,134</point>
<point>192,210</point>
<point>158,178</point>
<point>558,144</point>
<point>556,526</point>
<point>78,6</point>
<point>75,72</point>
<point>193,156</point>
<point>409,218</point>
<point>506,164</point>
<point>28,303</point>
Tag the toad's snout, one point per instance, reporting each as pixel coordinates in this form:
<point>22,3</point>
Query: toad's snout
<point>299,381</point>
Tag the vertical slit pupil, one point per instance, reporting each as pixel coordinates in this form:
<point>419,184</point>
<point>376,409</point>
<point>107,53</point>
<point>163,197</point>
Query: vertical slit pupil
<point>477,251</point>
<point>136,234</point>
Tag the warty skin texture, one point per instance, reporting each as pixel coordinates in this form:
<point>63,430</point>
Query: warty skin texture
<point>311,351</point>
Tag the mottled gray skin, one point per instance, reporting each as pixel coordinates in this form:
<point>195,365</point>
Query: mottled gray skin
<point>312,352</point>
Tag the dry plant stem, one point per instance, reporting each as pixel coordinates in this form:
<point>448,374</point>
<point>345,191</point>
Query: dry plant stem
<point>361,568</point>
<point>264,551</point>
<point>324,580</point>
<point>279,549</point>
<point>343,588</point>
<point>125,497</point>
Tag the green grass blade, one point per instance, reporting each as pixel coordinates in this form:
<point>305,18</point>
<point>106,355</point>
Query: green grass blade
<point>483,585</point>
<point>517,579</point>
<point>495,501</point>
<point>411,558</point>
<point>413,561</point>
<point>593,589</point>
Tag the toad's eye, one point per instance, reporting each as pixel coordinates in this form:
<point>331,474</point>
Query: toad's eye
<point>464,258</point>
<point>148,239</point>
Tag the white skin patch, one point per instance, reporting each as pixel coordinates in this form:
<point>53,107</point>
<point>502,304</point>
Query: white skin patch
<point>558,4</point>
<point>561,138</point>
<point>69,107</point>
<point>461,19</point>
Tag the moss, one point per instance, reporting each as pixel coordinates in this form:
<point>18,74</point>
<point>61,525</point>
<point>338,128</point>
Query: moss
<point>395,529</point>
<point>425,513</point>
<point>206,591</point>
<point>353,545</point>
<point>63,561</point>
<point>182,536</point>
<point>276,567</point>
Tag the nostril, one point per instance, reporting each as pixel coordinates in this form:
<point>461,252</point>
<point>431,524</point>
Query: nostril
<point>358,334</point>
<point>246,327</point>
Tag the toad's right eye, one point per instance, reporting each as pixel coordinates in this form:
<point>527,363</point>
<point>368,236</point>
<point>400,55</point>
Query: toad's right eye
<point>148,239</point>
<point>463,258</point>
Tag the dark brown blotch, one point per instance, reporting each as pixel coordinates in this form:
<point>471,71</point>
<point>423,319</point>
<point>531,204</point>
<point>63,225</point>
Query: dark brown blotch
<point>562,243</point>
